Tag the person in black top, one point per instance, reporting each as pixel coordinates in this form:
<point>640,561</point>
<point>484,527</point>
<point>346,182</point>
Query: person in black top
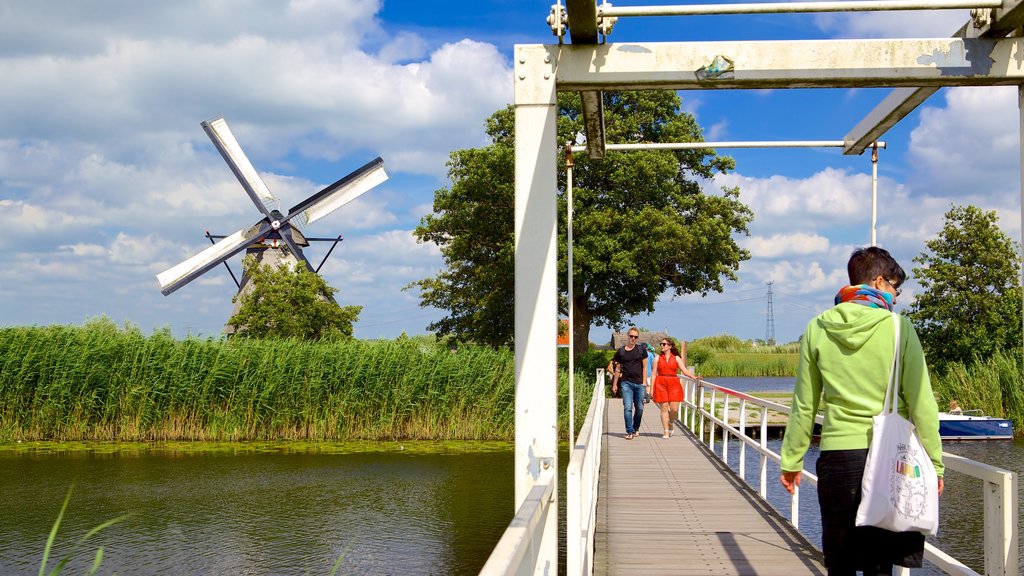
<point>632,360</point>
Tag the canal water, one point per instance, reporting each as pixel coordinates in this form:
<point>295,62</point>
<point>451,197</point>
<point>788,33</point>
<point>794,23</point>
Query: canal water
<point>960,507</point>
<point>258,512</point>
<point>283,509</point>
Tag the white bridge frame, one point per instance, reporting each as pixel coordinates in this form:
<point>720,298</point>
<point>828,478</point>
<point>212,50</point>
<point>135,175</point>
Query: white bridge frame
<point>979,55</point>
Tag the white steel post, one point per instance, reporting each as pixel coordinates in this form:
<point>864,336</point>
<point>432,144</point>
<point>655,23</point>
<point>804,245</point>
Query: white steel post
<point>1020,120</point>
<point>711,423</point>
<point>536,289</point>
<point>742,428</point>
<point>572,350</point>
<point>874,191</point>
<point>725,428</point>
<point>763,490</point>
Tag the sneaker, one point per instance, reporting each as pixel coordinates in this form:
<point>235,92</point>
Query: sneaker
<point>630,436</point>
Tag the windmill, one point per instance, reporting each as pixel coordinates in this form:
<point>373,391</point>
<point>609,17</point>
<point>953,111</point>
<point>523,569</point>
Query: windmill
<point>275,238</point>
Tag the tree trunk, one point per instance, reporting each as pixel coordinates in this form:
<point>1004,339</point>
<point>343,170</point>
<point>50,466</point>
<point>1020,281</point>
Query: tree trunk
<point>581,318</point>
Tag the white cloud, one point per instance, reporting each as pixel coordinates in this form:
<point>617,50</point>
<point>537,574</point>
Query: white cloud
<point>780,245</point>
<point>893,24</point>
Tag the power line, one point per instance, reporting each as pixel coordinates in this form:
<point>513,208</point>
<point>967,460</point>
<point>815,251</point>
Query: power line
<point>769,329</point>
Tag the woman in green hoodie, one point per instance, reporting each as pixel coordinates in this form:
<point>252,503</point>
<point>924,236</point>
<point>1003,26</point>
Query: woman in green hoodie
<point>845,359</point>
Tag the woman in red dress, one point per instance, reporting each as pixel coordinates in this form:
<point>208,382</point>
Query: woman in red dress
<point>668,390</point>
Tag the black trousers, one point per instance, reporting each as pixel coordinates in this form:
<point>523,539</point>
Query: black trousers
<point>848,547</point>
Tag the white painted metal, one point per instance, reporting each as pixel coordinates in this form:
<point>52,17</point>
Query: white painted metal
<point>724,144</point>
<point>1020,122</point>
<point>791,64</point>
<point>606,10</point>
<point>742,425</point>
<point>896,105</point>
<point>572,365</point>
<point>725,425</point>
<point>536,290</point>
<point>874,193</point>
<point>763,469</point>
<point>1000,487</point>
<point>582,477</point>
<point>520,548</point>
<point>902,101</point>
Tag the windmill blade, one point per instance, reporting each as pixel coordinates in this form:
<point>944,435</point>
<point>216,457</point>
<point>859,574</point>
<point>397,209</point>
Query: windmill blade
<point>228,147</point>
<point>338,194</point>
<point>177,276</point>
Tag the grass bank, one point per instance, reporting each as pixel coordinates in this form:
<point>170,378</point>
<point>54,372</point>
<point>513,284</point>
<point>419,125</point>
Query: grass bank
<point>101,382</point>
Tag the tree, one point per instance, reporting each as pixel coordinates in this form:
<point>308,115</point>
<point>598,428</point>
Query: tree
<point>971,300</point>
<point>641,224</point>
<point>290,302</point>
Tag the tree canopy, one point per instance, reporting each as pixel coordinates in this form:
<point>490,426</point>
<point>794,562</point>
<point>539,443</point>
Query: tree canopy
<point>290,302</point>
<point>971,300</point>
<point>642,225</point>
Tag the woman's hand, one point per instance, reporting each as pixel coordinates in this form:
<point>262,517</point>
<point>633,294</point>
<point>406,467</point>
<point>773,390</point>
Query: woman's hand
<point>791,480</point>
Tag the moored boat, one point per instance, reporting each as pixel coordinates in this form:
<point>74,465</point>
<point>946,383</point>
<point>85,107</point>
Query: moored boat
<point>973,425</point>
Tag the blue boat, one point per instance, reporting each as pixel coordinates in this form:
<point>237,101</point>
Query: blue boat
<point>973,425</point>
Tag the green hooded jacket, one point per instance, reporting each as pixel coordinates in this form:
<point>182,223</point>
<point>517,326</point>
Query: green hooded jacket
<point>846,354</point>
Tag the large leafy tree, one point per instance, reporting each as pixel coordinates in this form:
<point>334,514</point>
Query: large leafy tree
<point>971,300</point>
<point>290,302</point>
<point>641,224</point>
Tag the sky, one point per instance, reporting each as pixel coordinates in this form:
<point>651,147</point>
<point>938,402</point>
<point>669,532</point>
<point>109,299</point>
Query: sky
<point>107,178</point>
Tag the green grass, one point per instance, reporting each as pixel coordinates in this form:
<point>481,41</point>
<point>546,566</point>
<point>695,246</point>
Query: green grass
<point>98,382</point>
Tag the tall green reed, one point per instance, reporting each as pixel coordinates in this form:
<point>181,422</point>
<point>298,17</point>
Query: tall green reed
<point>96,382</point>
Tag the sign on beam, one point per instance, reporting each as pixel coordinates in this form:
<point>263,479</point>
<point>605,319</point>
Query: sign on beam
<point>787,64</point>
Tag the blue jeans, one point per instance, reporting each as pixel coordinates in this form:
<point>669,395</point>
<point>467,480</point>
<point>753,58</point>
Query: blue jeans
<point>632,393</point>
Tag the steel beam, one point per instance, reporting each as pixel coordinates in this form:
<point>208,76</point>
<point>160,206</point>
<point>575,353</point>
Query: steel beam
<point>901,102</point>
<point>536,287</point>
<point>582,15</point>
<point>790,64</point>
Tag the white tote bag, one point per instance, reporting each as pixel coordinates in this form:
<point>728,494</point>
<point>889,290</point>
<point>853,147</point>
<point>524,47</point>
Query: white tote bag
<point>900,486</point>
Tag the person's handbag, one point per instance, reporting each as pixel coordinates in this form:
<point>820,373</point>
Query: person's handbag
<point>900,486</point>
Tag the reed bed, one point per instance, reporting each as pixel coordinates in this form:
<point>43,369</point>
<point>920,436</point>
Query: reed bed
<point>98,382</point>
<point>992,385</point>
<point>748,364</point>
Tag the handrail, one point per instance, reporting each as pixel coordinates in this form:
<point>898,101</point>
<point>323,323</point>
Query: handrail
<point>1000,486</point>
<point>516,552</point>
<point>581,487</point>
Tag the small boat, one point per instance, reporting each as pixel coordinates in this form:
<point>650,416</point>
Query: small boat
<point>974,425</point>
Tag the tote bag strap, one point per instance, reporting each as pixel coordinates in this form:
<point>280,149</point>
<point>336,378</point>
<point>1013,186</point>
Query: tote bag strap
<point>892,391</point>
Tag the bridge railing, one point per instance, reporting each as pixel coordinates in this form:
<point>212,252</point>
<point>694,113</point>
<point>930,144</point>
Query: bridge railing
<point>516,552</point>
<point>581,487</point>
<point>710,407</point>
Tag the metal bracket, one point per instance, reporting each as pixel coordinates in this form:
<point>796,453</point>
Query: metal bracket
<point>557,20</point>
<point>981,17</point>
<point>605,23</point>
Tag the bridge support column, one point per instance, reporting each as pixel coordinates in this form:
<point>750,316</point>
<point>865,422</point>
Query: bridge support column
<point>536,290</point>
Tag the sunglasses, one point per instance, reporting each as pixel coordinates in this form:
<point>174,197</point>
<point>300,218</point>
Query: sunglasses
<point>634,336</point>
<point>665,344</point>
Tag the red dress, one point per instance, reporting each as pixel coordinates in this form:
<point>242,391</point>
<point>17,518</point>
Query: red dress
<point>667,387</point>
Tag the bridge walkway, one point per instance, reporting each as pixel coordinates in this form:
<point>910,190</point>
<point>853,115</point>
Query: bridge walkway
<point>668,506</point>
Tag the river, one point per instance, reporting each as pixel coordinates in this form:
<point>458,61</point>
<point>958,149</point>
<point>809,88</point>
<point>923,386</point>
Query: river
<point>284,509</point>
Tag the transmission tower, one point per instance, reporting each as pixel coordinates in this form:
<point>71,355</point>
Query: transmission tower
<point>769,329</point>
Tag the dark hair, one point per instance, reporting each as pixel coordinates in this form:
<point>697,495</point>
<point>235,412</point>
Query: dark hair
<point>866,264</point>
<point>671,345</point>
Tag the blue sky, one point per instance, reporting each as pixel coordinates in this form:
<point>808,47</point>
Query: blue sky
<point>106,177</point>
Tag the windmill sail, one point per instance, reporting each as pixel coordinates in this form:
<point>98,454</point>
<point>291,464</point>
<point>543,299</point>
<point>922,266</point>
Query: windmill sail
<point>228,147</point>
<point>340,193</point>
<point>177,276</point>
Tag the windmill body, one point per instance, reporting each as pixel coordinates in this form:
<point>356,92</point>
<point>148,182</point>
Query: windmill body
<point>276,237</point>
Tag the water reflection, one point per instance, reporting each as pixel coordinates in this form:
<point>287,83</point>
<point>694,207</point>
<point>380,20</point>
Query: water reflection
<point>384,513</point>
<point>961,507</point>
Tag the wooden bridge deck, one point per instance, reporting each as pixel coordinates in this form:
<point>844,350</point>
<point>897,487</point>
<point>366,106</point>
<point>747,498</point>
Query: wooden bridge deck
<point>666,506</point>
